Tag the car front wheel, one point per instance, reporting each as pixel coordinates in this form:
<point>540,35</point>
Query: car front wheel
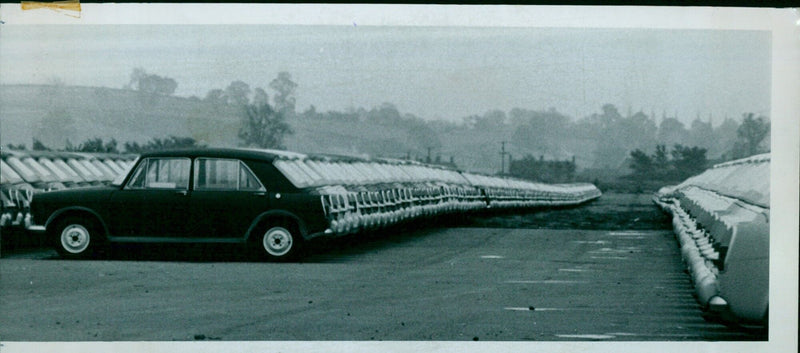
<point>279,243</point>
<point>76,238</point>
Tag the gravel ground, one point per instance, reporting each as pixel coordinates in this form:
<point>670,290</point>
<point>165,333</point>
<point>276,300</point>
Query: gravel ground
<point>468,283</point>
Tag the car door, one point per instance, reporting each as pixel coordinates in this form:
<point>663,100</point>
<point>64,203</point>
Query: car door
<point>225,199</point>
<point>155,201</point>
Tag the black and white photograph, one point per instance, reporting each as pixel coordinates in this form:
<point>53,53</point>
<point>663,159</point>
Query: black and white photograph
<point>399,177</point>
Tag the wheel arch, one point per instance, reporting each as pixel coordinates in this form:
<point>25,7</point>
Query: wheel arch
<point>76,211</point>
<point>276,215</point>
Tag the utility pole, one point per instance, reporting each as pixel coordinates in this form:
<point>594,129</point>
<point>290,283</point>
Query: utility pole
<point>503,158</point>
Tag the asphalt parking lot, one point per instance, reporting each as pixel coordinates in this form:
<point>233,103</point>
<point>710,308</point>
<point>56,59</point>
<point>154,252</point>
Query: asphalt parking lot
<point>443,284</point>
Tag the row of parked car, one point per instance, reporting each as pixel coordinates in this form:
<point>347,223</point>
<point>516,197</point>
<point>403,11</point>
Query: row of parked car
<point>721,220</point>
<point>276,200</point>
<point>25,173</point>
<point>365,195</point>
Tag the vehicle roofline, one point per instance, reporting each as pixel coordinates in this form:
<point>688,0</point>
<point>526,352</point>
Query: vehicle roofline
<point>225,152</point>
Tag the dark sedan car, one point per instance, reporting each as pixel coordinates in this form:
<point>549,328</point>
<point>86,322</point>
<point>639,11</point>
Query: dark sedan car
<point>196,196</point>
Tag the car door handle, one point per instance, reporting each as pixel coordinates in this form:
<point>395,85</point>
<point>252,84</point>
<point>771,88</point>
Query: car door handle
<point>260,193</point>
<point>181,192</point>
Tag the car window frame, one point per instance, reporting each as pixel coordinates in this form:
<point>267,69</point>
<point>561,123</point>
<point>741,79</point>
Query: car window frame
<point>242,164</point>
<point>122,178</point>
<point>146,163</point>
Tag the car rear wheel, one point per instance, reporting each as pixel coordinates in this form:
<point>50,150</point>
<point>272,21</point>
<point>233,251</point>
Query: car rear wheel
<point>281,243</point>
<point>77,237</point>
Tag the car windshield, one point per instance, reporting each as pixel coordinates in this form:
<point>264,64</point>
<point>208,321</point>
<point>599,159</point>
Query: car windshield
<point>121,177</point>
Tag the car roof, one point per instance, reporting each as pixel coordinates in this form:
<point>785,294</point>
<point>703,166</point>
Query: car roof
<point>239,153</point>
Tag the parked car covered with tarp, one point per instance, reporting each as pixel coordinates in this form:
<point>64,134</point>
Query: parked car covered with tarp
<point>721,220</point>
<point>25,173</point>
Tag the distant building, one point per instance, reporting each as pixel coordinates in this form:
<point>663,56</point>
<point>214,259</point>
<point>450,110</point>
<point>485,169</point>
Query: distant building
<point>550,171</point>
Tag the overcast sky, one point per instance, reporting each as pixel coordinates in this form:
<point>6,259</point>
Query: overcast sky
<point>432,72</point>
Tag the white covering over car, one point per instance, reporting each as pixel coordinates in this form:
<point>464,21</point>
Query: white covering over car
<point>721,220</point>
<point>361,194</point>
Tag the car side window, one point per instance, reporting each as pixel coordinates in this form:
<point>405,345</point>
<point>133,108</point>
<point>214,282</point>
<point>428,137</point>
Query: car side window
<point>137,180</point>
<point>161,173</point>
<point>248,181</point>
<point>224,175</point>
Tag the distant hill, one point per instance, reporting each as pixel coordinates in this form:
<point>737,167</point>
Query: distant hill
<point>55,114</point>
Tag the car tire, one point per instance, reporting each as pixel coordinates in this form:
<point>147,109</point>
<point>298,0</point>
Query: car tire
<point>280,243</point>
<point>77,238</point>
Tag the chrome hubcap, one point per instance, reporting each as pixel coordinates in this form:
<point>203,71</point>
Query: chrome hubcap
<point>277,241</point>
<point>75,238</point>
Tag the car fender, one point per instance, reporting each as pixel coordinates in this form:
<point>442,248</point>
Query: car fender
<point>278,214</point>
<point>56,214</point>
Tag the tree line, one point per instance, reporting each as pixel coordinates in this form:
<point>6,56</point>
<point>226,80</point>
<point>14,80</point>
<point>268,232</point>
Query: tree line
<point>262,124</point>
<point>146,83</point>
<point>547,171</point>
<point>680,163</point>
<point>605,140</point>
<point>606,137</point>
<point>421,134</point>
<point>685,161</point>
<point>98,144</point>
